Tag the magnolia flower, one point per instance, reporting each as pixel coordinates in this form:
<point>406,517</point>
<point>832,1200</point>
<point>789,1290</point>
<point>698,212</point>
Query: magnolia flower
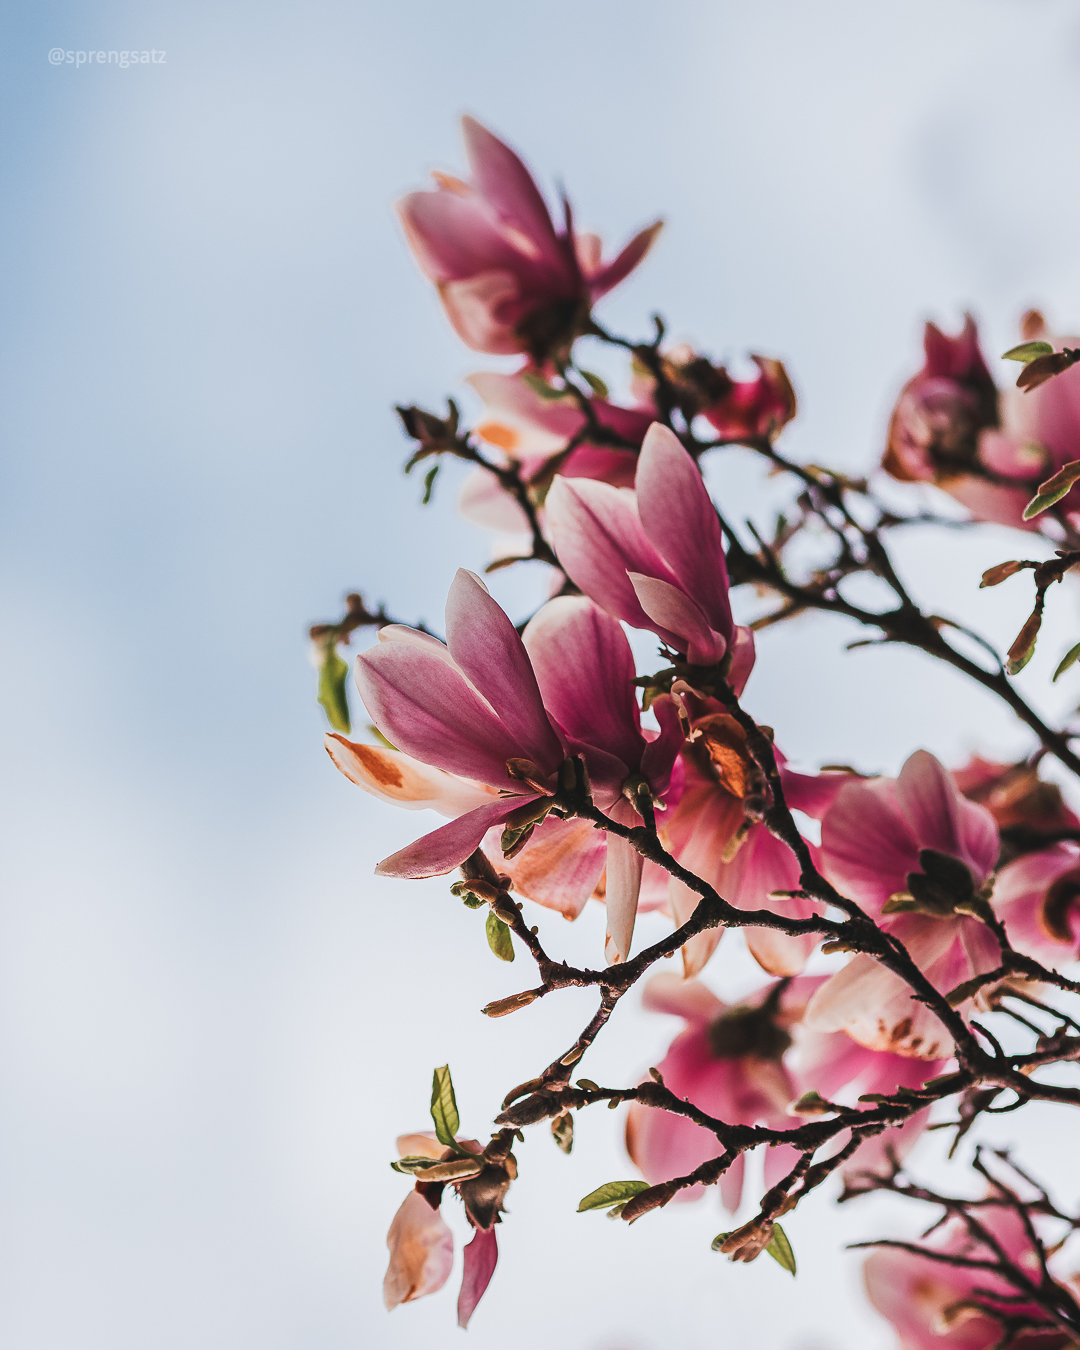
<point>728,1063</point>
<point>712,835</point>
<point>1038,897</point>
<point>422,1246</point>
<point>487,721</point>
<point>532,432</point>
<point>653,558</point>
<point>585,671</point>
<point>932,1304</point>
<point>915,855</point>
<point>945,429</point>
<point>509,281</point>
<point>1014,794</point>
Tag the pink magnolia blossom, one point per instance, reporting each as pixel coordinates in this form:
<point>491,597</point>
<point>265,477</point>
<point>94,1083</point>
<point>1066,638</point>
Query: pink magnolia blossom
<point>728,1063</point>
<point>471,709</point>
<point>946,430</point>
<point>1014,794</point>
<point>655,557</point>
<point>509,281</point>
<point>1038,897</point>
<point>931,1304</point>
<point>532,432</point>
<point>585,671</point>
<point>874,842</point>
<point>486,721</point>
<point>422,1246</point>
<point>709,833</point>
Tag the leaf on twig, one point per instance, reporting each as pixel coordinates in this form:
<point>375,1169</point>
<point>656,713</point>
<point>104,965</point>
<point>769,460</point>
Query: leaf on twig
<point>429,484</point>
<point>595,383</point>
<point>780,1249</point>
<point>499,939</point>
<point>1022,650</point>
<point>444,1112</point>
<point>541,388</point>
<point>1027,351</point>
<point>333,674</point>
<point>1069,659</point>
<point>1053,489</point>
<point>613,1193</point>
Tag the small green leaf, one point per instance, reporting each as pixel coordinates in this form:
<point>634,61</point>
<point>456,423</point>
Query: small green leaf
<point>540,386</point>
<point>780,1249</point>
<point>719,1240</point>
<point>614,1193</point>
<point>429,484</point>
<point>444,1110</point>
<point>1027,351</point>
<point>1053,489</point>
<point>1069,659</point>
<point>499,939</point>
<point>595,383</point>
<point>333,675</point>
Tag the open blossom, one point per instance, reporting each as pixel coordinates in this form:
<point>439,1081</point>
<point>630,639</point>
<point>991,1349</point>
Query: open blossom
<point>585,671</point>
<point>946,430</point>
<point>931,1303</point>
<point>1014,794</point>
<point>909,851</point>
<point>485,723</point>
<point>728,1063</point>
<point>422,1246</point>
<point>532,432</point>
<point>509,281</point>
<point>746,1065</point>
<point>1038,897</point>
<point>711,834</point>
<point>655,557</point>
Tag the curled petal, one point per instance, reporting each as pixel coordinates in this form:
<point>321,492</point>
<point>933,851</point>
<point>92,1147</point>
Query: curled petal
<point>481,1256</point>
<point>446,848</point>
<point>670,610</point>
<point>421,1252</point>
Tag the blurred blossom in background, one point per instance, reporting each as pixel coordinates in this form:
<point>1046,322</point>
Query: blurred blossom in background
<point>214,1020</point>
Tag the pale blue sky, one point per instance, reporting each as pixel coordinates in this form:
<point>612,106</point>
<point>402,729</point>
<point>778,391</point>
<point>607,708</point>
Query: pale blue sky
<point>212,1019</point>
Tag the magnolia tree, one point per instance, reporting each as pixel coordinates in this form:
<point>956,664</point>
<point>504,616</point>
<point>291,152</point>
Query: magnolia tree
<point>568,776</point>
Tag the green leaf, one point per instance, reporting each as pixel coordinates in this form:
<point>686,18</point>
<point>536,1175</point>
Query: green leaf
<point>540,386</point>
<point>1069,659</point>
<point>499,939</point>
<point>614,1193</point>
<point>719,1240</point>
<point>429,484</point>
<point>595,383</point>
<point>780,1249</point>
<point>444,1110</point>
<point>1053,489</point>
<point>332,677</point>
<point>1027,351</point>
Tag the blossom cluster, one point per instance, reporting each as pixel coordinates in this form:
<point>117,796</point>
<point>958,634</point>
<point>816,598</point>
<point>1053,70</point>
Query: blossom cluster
<point>505,730</point>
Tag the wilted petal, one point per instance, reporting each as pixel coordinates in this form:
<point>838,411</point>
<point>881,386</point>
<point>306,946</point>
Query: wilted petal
<point>421,1252</point>
<point>395,777</point>
<point>481,1256</point>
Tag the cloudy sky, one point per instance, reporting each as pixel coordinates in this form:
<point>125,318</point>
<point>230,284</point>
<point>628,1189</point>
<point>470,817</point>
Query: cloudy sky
<point>213,1019</point>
